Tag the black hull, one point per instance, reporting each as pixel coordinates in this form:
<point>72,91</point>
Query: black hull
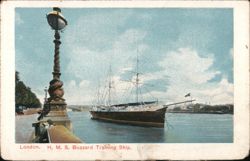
<point>138,118</point>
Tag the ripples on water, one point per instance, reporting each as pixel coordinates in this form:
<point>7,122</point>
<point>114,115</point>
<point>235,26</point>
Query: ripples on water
<point>179,128</point>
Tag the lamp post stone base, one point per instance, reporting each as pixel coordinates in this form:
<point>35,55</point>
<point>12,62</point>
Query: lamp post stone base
<point>59,120</point>
<point>58,114</point>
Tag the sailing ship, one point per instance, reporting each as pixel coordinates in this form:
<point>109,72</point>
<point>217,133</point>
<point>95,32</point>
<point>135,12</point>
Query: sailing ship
<point>138,113</point>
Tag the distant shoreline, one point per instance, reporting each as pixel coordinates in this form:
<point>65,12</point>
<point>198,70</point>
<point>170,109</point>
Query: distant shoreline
<point>219,109</point>
<point>190,112</point>
<point>29,111</point>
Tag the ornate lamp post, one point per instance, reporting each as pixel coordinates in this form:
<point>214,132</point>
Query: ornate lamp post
<point>56,100</point>
<point>56,105</point>
<point>54,109</point>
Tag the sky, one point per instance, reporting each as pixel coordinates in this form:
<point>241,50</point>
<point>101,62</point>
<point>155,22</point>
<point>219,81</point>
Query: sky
<point>179,50</point>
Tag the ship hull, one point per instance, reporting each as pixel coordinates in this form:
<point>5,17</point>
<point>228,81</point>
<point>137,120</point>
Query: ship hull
<point>138,118</point>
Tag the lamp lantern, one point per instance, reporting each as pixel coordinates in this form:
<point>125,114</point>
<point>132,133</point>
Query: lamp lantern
<point>56,19</point>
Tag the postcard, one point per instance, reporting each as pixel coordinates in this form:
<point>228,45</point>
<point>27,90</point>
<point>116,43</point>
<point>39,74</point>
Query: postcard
<point>124,80</point>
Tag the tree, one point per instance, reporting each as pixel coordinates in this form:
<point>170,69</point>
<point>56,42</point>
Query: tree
<point>24,96</point>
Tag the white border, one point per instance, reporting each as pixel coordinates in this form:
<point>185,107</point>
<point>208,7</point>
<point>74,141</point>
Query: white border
<point>236,150</point>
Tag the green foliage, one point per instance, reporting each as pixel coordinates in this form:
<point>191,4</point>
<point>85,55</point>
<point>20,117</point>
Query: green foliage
<point>204,108</point>
<point>218,108</point>
<point>24,96</point>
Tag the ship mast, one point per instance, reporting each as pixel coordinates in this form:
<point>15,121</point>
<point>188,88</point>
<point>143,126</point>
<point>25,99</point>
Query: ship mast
<point>98,94</point>
<point>137,73</point>
<point>137,76</point>
<point>109,86</point>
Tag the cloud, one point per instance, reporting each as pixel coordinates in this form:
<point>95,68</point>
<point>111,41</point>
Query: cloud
<point>87,63</point>
<point>126,47</point>
<point>185,70</point>
<point>189,72</point>
<point>217,93</point>
<point>131,36</point>
<point>186,64</point>
<point>79,93</point>
<point>90,65</point>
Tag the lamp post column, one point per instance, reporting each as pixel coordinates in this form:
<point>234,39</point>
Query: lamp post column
<point>56,92</point>
<point>56,102</point>
<point>56,73</point>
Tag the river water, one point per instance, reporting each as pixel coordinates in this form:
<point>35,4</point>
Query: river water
<point>179,128</point>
